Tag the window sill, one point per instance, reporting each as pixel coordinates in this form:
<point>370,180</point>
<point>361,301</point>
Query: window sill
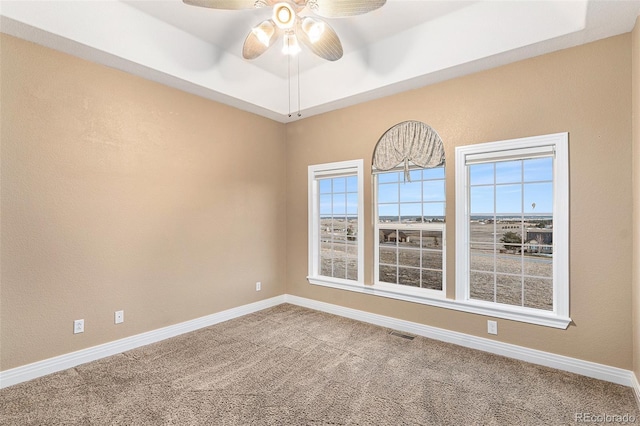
<point>529,316</point>
<point>338,283</point>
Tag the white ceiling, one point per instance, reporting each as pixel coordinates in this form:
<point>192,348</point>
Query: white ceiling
<point>401,46</point>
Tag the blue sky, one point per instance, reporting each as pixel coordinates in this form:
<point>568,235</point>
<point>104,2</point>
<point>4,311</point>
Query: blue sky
<point>504,188</point>
<point>424,195</point>
<point>523,186</point>
<point>339,196</point>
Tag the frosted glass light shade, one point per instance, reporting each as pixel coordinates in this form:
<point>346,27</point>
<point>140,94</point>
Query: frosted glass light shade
<point>291,45</point>
<point>264,32</point>
<point>313,28</point>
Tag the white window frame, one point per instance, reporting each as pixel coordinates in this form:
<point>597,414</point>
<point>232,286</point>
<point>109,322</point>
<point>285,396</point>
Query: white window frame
<point>323,171</point>
<point>496,151</point>
<point>398,290</point>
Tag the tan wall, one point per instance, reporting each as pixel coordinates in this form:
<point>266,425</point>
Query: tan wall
<point>636,195</point>
<point>585,91</point>
<point>120,193</point>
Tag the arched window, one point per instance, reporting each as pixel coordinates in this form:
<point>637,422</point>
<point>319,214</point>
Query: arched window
<point>409,194</point>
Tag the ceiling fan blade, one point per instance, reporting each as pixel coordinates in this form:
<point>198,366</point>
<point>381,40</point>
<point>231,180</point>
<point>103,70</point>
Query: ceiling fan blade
<point>326,46</point>
<point>228,4</point>
<point>260,39</point>
<point>342,8</point>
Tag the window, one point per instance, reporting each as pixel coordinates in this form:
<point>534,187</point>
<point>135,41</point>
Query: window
<point>512,229</point>
<point>409,226</point>
<point>336,225</point>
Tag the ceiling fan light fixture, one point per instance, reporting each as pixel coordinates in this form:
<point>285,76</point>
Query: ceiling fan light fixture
<point>283,15</point>
<point>264,32</point>
<point>316,35</point>
<point>313,28</point>
<point>291,45</point>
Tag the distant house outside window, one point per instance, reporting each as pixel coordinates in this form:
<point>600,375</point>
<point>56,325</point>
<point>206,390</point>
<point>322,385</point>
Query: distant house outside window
<point>336,225</point>
<point>512,228</point>
<point>410,230</point>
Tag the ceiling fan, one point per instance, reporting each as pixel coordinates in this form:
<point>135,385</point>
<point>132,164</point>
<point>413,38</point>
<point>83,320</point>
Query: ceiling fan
<point>313,32</point>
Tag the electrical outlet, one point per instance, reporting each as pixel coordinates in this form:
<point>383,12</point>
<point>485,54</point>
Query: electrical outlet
<point>258,286</point>
<point>78,326</point>
<point>492,327</point>
<point>119,317</point>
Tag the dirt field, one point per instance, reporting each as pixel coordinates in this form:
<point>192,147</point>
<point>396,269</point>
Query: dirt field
<point>512,276</point>
<point>339,250</point>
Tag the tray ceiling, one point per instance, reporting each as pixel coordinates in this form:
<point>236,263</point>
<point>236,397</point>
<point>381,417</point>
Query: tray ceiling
<point>401,46</point>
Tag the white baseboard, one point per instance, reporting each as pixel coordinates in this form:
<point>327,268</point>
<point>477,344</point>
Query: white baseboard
<point>62,362</point>
<point>560,362</point>
<point>636,388</point>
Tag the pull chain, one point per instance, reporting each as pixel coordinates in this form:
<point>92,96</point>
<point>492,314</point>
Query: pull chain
<point>299,114</point>
<point>289,81</point>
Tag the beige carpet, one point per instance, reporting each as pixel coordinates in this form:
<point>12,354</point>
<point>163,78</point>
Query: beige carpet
<point>291,365</point>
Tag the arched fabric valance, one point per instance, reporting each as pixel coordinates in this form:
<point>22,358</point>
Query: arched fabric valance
<point>410,141</point>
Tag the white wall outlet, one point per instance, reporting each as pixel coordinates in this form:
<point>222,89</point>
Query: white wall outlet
<point>119,317</point>
<point>492,327</point>
<point>78,326</point>
<point>258,286</point>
